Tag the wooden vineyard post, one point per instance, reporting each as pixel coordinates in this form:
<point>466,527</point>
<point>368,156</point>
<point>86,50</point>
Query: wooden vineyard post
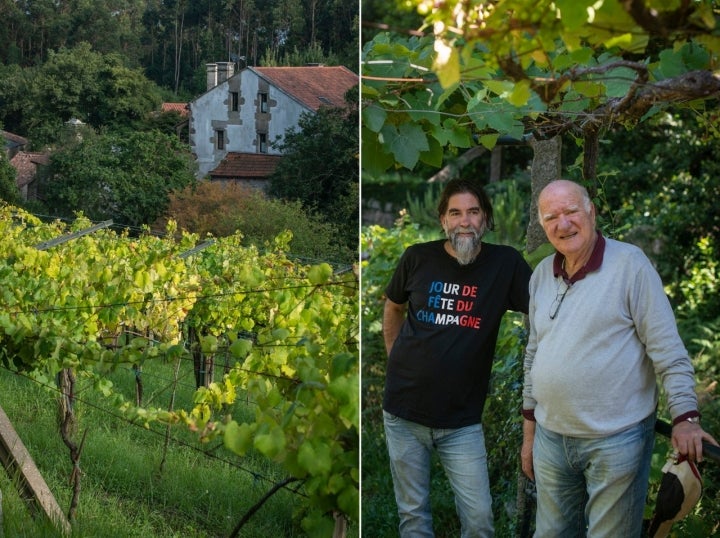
<point>22,470</point>
<point>340,526</point>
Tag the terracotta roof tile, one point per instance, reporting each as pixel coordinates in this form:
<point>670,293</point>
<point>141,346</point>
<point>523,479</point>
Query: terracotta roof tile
<point>180,108</point>
<point>26,165</point>
<point>245,166</point>
<point>12,139</point>
<point>312,86</point>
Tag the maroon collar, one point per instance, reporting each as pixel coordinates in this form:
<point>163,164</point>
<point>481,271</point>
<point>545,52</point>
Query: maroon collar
<point>593,264</point>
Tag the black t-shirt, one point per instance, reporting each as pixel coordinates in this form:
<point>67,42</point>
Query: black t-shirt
<point>439,366</point>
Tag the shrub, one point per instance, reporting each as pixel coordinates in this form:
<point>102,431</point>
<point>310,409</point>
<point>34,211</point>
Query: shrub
<point>219,210</point>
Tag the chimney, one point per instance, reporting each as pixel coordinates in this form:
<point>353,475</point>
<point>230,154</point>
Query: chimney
<point>225,70</point>
<point>212,75</point>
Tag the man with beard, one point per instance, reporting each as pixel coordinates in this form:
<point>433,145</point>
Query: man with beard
<point>442,315</point>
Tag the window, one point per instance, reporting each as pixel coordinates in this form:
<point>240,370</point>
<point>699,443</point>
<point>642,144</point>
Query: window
<point>262,143</point>
<point>234,101</point>
<point>263,97</point>
<point>220,139</point>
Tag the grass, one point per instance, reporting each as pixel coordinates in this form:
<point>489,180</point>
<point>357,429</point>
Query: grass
<point>125,492</point>
<point>379,510</point>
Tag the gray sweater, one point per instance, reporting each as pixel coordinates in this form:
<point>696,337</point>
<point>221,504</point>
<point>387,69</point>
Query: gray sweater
<point>591,371</point>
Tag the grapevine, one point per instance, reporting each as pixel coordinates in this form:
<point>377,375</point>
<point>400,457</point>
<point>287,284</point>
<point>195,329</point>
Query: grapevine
<point>106,299</point>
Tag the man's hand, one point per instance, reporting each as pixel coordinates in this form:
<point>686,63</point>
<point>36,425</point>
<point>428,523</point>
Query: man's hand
<point>687,439</point>
<point>526,452</point>
<point>393,317</point>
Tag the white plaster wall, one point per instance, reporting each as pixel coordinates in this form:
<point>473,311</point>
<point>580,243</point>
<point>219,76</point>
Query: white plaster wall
<point>210,111</point>
<point>210,106</point>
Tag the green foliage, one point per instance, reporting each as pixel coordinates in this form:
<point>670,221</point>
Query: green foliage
<point>395,16</point>
<point>126,177</point>
<point>305,344</point>
<point>319,167</point>
<point>698,294</point>
<point>311,237</point>
<point>103,301</point>
<point>660,183</point>
<point>134,486</point>
<point>79,83</point>
<point>165,122</point>
<point>510,209</point>
<point>313,55</point>
<point>422,206</point>
<point>171,40</point>
<point>220,210</point>
<point>511,69</point>
<point>126,97</point>
<point>391,190</point>
<point>8,183</point>
<point>13,87</point>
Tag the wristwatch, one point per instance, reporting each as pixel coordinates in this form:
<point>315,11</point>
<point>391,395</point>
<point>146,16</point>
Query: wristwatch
<point>694,420</point>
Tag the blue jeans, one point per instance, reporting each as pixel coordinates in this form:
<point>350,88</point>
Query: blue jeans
<point>462,454</point>
<point>592,487</point>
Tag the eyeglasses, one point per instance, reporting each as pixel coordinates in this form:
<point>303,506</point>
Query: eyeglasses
<point>561,292</point>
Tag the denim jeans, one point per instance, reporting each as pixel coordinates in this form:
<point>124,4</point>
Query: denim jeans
<point>592,487</point>
<point>462,454</point>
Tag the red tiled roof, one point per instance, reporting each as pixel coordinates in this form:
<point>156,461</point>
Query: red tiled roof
<point>312,86</point>
<point>16,140</point>
<point>26,165</point>
<point>180,108</point>
<point>245,166</point>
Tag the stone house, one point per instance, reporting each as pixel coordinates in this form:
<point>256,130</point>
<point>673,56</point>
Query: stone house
<point>234,123</point>
<point>26,163</point>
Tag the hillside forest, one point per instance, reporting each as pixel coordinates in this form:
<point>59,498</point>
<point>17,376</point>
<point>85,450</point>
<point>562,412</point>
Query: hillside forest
<point>172,40</point>
<point>111,64</point>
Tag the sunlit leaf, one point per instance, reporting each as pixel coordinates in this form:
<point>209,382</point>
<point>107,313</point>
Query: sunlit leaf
<point>238,438</point>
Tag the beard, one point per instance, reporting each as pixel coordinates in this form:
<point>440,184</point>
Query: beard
<point>466,248</point>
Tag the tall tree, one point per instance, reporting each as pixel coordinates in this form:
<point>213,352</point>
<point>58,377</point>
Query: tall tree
<point>8,185</point>
<point>76,83</point>
<point>110,26</point>
<point>126,177</point>
<point>173,39</point>
<point>320,166</point>
<point>14,26</point>
<point>288,17</point>
<point>14,85</point>
<point>338,30</point>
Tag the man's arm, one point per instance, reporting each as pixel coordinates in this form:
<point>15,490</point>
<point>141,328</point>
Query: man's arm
<point>526,452</point>
<point>393,317</point>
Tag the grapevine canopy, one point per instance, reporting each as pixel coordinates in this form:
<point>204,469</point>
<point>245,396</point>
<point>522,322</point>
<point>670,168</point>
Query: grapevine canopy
<point>481,70</point>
